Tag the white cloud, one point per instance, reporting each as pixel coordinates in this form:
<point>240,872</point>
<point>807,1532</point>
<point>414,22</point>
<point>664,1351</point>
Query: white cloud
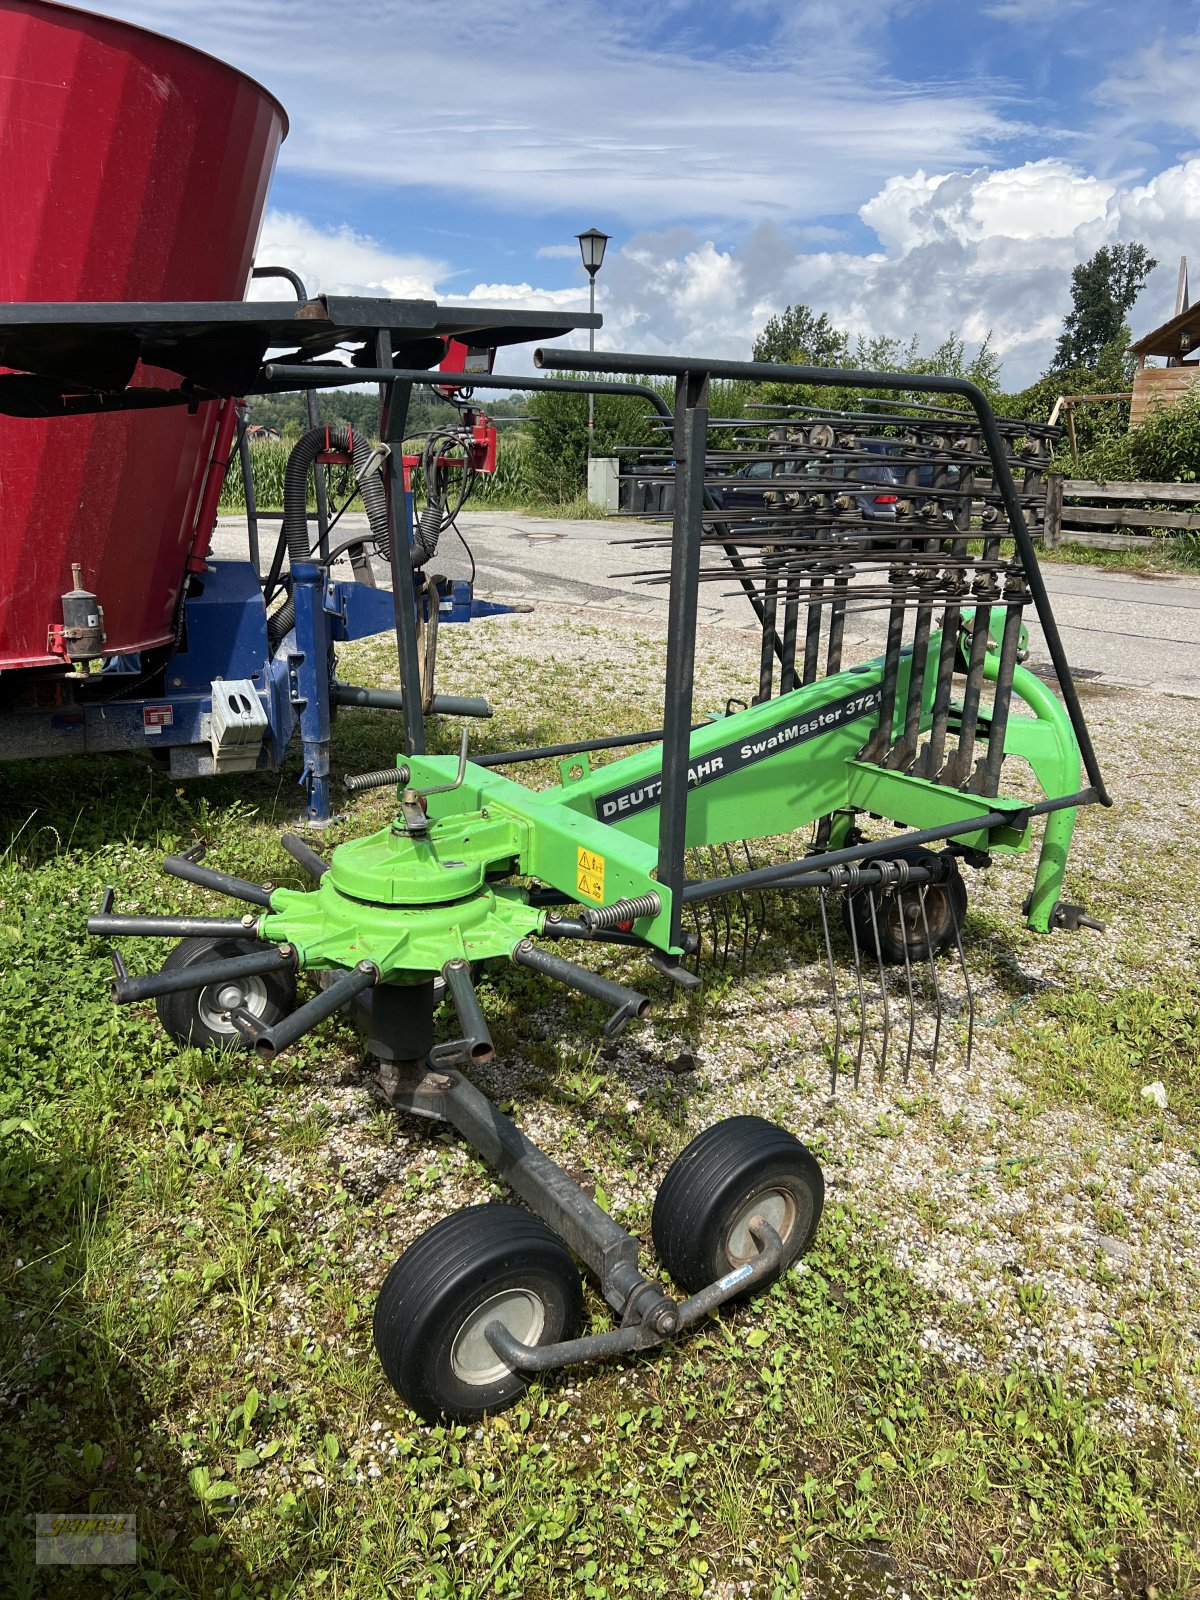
<point>1157,86</point>
<point>1032,13</point>
<point>339,261</point>
<point>553,105</point>
<point>966,254</point>
<point>1041,200</point>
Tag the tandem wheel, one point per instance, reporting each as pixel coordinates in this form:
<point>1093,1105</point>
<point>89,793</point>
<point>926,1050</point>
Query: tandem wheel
<point>200,1017</point>
<point>899,921</point>
<point>483,1264</point>
<point>735,1170</point>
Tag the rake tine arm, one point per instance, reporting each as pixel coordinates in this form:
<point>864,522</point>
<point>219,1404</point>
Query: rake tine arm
<point>174,927</point>
<point>313,864</point>
<point>626,1003</point>
<point>126,989</point>
<point>220,882</point>
<point>339,993</point>
<point>476,1043</point>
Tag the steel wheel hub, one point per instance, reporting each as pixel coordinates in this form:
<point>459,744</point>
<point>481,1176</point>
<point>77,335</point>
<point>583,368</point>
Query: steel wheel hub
<point>216,1001</point>
<point>774,1206</point>
<point>472,1358</point>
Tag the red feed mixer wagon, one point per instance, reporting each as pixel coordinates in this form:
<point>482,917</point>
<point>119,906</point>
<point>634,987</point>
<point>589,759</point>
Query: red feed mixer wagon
<point>133,178</point>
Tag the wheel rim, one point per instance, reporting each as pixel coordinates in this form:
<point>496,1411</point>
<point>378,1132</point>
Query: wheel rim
<point>776,1207</point>
<point>903,919</point>
<point>472,1358</point>
<point>217,1000</point>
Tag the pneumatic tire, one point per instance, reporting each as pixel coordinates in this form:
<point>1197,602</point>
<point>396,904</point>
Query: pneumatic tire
<point>492,1262</point>
<point>200,1017</point>
<point>729,1172</point>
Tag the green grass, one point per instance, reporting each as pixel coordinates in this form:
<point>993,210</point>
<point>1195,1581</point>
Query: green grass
<point>1172,553</point>
<point>192,1244</point>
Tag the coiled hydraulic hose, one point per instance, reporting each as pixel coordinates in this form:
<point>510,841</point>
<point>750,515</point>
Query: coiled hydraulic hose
<point>441,444</point>
<point>295,502</point>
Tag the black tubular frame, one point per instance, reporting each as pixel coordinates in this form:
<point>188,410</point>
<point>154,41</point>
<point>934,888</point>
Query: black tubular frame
<point>333,376</point>
<point>692,377</point>
<point>689,422</point>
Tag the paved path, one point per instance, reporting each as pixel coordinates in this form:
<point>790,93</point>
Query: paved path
<point>1122,629</point>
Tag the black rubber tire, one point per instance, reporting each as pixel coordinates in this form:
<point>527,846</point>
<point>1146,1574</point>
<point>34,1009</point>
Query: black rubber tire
<point>270,996</point>
<point>945,907</point>
<point>429,1296</point>
<point>712,1183</point>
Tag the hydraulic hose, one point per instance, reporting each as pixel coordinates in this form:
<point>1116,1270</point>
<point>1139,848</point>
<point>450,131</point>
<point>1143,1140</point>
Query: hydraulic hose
<point>295,502</point>
<point>440,444</point>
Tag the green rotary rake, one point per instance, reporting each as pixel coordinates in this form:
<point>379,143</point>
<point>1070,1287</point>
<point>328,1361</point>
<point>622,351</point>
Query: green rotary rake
<point>476,868</point>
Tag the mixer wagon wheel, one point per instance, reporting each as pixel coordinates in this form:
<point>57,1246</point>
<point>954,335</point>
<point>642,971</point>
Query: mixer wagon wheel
<point>735,1170</point>
<point>201,1017</point>
<point>926,917</point>
<point>484,1264</point>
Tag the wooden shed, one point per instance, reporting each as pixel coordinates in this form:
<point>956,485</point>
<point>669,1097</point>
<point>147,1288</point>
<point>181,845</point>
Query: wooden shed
<point>1174,341</point>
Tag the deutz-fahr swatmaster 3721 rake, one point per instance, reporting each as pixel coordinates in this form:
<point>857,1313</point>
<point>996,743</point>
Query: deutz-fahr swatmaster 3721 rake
<point>476,867</point>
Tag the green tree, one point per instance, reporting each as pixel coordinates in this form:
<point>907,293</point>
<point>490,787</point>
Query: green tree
<point>885,353</point>
<point>797,336</point>
<point>557,460</point>
<point>1101,427</point>
<point>628,427</point>
<point>1103,292</point>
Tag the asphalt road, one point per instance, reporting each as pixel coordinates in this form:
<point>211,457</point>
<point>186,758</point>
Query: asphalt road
<point>1118,628</point>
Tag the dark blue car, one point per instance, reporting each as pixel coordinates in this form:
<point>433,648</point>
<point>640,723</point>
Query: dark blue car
<point>747,488</point>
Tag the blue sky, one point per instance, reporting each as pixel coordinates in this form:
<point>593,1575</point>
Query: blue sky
<point>908,166</point>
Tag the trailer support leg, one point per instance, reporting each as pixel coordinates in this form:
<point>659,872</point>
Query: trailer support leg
<point>314,669</point>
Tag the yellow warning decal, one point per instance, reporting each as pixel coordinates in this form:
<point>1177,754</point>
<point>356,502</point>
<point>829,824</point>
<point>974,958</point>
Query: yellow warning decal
<point>589,876</point>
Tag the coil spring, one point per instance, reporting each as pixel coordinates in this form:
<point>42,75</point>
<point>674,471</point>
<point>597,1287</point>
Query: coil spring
<point>646,905</point>
<point>379,779</point>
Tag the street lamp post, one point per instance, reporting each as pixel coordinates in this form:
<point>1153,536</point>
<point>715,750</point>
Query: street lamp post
<point>591,248</point>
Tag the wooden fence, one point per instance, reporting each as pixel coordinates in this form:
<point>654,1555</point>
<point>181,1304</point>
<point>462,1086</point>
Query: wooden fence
<point>1094,514</point>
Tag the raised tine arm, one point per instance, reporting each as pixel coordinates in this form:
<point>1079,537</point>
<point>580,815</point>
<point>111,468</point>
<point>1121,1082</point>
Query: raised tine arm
<point>339,993</point>
<point>219,882</point>
<point>313,864</point>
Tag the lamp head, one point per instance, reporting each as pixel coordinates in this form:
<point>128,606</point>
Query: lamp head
<point>591,248</point>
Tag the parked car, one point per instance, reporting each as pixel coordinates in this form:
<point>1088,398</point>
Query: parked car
<point>747,488</point>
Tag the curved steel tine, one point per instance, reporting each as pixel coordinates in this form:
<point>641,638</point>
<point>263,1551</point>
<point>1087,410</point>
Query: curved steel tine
<point>883,994</point>
<point>723,903</point>
<point>833,994</point>
<point>912,999</point>
<point>862,999</point>
<point>962,961</point>
<point>760,905</point>
<point>937,987</point>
